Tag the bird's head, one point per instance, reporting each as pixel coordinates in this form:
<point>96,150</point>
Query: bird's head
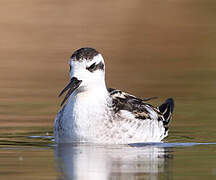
<point>87,71</point>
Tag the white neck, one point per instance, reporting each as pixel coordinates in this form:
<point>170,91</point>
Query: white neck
<point>87,108</point>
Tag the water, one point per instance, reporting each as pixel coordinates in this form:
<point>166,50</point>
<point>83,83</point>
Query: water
<point>156,48</point>
<point>84,161</point>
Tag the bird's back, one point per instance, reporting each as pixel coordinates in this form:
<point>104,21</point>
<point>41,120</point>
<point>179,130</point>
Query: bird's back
<point>155,120</point>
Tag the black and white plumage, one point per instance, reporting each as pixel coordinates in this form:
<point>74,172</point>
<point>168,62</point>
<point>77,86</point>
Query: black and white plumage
<point>97,114</point>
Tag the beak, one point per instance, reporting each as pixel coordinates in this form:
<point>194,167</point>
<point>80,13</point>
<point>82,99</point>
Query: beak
<point>72,86</point>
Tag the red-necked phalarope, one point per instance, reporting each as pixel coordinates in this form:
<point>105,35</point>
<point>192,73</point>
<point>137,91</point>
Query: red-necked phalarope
<point>97,114</point>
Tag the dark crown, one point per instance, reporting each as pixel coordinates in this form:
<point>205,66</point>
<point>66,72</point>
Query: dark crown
<point>84,53</point>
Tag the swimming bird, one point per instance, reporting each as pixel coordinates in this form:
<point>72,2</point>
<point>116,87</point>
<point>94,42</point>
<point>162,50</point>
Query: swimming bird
<point>94,113</point>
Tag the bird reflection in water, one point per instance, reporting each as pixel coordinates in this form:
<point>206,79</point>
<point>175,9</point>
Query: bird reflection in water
<point>93,162</point>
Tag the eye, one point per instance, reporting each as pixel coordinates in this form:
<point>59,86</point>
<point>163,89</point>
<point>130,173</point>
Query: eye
<point>91,68</point>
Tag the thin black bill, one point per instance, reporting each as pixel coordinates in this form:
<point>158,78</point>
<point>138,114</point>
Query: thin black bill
<point>73,84</point>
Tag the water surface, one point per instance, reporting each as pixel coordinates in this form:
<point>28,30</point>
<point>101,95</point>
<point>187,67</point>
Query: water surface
<point>151,48</point>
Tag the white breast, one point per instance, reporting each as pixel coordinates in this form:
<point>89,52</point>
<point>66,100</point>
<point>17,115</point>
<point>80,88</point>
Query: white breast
<point>83,118</point>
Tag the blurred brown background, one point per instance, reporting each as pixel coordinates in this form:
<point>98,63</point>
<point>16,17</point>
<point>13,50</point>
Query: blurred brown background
<point>151,48</point>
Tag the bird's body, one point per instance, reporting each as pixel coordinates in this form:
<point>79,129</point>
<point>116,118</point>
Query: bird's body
<point>96,114</point>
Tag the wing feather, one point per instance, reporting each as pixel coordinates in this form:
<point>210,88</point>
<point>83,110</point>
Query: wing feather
<point>138,107</point>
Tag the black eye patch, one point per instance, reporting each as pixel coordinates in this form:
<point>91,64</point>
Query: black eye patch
<point>94,67</point>
<point>91,68</point>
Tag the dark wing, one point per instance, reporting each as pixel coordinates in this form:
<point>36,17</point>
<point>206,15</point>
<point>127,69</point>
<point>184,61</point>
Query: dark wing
<point>138,107</point>
<point>166,110</point>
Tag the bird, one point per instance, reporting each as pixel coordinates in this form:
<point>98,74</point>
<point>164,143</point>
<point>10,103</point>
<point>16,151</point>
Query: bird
<point>93,113</point>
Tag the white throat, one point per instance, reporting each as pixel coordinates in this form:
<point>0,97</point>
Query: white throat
<point>87,109</point>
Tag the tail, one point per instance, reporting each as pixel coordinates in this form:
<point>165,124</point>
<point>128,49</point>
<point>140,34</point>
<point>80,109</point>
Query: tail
<point>167,109</point>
